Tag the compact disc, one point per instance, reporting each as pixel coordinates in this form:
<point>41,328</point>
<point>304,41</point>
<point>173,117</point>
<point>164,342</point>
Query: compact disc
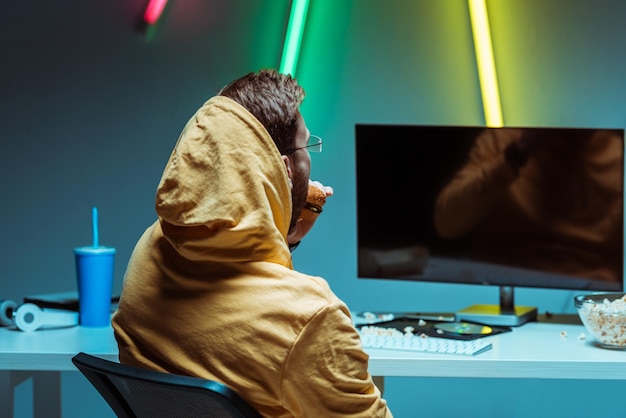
<point>463,328</point>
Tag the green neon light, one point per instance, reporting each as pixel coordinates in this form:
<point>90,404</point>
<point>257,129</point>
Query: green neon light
<point>293,37</point>
<point>486,64</point>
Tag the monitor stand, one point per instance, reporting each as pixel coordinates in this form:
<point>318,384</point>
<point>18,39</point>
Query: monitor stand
<point>505,314</point>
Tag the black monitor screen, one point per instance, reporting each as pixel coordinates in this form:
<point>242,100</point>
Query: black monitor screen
<point>523,207</point>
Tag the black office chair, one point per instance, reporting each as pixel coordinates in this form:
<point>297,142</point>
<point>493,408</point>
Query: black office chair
<point>137,393</point>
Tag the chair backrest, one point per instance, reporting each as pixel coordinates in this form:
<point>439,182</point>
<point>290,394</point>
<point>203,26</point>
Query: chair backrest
<point>137,393</point>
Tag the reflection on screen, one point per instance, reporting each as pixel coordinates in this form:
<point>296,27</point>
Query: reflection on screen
<point>531,207</point>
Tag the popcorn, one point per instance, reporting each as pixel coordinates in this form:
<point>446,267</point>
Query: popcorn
<point>606,320</point>
<point>369,316</point>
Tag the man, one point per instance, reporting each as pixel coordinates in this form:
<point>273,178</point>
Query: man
<point>210,290</point>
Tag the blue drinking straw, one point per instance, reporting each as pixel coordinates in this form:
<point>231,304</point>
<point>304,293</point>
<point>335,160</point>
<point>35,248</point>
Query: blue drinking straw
<point>94,226</point>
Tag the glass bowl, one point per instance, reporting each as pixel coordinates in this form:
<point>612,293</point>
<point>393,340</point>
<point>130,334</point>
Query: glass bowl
<point>604,316</point>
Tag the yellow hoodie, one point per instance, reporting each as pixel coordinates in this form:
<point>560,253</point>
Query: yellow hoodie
<point>210,290</point>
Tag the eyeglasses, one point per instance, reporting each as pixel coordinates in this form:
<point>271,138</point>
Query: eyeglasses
<point>314,145</point>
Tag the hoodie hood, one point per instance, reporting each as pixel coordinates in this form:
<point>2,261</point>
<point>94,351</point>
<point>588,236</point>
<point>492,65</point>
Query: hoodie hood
<point>224,195</point>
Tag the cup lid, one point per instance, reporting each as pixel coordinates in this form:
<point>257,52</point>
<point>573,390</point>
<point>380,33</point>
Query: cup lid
<point>94,250</point>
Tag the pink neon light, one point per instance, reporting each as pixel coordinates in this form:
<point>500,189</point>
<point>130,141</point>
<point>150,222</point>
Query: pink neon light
<point>153,11</point>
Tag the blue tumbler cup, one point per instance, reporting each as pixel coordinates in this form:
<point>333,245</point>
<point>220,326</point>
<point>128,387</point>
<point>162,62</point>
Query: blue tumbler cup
<point>94,270</point>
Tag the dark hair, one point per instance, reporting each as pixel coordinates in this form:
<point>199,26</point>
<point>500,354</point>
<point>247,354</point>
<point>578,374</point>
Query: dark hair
<point>274,99</point>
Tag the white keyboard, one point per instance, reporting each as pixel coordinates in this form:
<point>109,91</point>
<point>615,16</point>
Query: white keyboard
<point>425,344</point>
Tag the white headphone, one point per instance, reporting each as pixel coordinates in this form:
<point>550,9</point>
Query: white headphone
<point>30,317</point>
<point>7,307</point>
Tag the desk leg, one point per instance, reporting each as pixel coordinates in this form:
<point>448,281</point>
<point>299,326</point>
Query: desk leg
<point>379,381</point>
<point>6,394</point>
<point>46,392</point>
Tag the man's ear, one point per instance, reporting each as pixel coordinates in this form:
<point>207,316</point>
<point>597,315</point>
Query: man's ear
<point>288,167</point>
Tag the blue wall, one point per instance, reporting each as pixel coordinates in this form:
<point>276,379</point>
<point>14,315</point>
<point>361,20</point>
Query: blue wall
<point>90,109</point>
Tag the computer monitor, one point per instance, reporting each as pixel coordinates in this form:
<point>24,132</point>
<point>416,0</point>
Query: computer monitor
<point>509,207</point>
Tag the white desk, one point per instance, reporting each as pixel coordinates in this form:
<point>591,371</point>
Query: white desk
<point>534,350</point>
<point>42,355</point>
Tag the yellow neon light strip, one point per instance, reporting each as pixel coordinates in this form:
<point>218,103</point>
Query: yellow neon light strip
<point>486,64</point>
<point>293,37</point>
